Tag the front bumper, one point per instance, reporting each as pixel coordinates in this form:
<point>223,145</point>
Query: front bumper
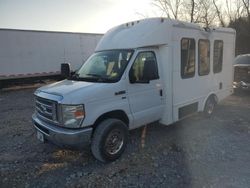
<point>63,136</point>
<point>241,85</point>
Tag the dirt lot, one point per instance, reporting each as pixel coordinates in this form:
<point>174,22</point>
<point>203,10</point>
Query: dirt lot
<point>196,152</point>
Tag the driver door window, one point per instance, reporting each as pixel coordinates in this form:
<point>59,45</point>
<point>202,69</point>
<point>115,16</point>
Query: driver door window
<point>144,68</point>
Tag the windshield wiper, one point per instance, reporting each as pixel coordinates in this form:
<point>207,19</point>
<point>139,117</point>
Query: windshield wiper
<point>100,78</point>
<point>95,75</point>
<point>74,77</point>
<point>92,78</point>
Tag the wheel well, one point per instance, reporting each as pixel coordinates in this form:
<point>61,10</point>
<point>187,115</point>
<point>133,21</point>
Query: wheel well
<point>214,97</point>
<point>117,114</point>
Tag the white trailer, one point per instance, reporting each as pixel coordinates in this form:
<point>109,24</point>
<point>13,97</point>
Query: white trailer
<point>27,53</point>
<point>150,70</point>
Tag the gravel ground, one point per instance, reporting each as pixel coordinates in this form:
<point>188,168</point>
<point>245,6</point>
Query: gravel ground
<point>196,152</point>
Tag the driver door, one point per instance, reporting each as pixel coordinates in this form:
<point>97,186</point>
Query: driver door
<point>145,89</point>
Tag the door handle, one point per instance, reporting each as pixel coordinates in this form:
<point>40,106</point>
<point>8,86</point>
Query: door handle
<point>120,92</point>
<point>161,93</point>
<point>220,85</point>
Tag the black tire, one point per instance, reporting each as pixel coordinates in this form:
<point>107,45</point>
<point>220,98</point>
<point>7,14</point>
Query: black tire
<point>209,107</point>
<point>109,140</point>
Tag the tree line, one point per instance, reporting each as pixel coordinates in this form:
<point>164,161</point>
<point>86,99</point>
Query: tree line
<point>209,13</point>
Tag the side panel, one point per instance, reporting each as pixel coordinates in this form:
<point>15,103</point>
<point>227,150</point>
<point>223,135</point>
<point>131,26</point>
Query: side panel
<point>198,88</point>
<point>225,77</point>
<point>166,73</point>
<point>190,90</point>
<point>34,53</point>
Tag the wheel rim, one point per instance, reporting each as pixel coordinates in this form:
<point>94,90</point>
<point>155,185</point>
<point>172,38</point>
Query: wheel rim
<point>210,107</point>
<point>114,142</point>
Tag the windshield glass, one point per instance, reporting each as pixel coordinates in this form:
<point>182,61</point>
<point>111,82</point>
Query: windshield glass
<point>242,59</point>
<point>104,66</point>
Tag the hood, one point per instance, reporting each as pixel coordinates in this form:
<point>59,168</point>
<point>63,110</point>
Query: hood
<point>242,65</point>
<point>78,92</point>
<point>65,87</point>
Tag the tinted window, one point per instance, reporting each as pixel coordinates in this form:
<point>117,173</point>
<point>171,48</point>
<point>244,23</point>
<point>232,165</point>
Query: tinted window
<point>204,57</point>
<point>144,67</point>
<point>218,56</point>
<point>187,58</point>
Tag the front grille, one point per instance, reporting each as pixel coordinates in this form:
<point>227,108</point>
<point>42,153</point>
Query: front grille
<point>41,128</point>
<point>242,74</point>
<point>46,108</point>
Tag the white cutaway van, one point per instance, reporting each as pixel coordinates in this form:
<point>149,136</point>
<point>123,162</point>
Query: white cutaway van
<point>149,70</point>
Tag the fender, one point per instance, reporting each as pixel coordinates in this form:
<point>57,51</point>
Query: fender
<point>209,95</point>
<point>96,109</point>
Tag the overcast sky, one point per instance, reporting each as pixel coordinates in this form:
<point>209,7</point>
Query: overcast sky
<point>93,16</point>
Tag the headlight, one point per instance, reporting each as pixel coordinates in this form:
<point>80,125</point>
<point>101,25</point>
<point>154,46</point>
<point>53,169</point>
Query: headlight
<point>72,115</point>
<point>243,83</point>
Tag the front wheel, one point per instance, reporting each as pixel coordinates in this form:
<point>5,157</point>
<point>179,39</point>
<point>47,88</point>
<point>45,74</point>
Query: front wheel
<point>109,140</point>
<point>209,107</point>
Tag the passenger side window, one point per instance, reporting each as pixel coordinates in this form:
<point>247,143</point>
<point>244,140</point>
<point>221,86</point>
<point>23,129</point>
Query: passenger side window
<point>218,56</point>
<point>144,68</point>
<point>187,58</point>
<point>204,57</point>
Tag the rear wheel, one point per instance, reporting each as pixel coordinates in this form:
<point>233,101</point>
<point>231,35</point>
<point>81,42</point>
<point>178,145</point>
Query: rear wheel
<point>109,140</point>
<point>209,106</point>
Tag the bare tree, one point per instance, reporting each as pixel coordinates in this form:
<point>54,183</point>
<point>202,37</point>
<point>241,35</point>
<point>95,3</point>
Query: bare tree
<point>170,7</point>
<point>192,11</point>
<point>233,9</point>
<point>229,10</point>
<point>197,11</point>
<point>219,13</point>
<point>205,12</point>
<point>246,7</point>
<point>200,11</point>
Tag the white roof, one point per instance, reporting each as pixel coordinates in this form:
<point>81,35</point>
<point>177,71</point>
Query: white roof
<point>146,32</point>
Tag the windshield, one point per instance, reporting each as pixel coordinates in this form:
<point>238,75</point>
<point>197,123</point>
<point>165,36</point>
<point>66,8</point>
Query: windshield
<point>104,66</point>
<point>242,59</point>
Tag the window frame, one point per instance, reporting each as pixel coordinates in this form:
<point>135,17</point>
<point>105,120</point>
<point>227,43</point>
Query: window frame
<point>221,63</point>
<point>209,54</point>
<point>186,76</point>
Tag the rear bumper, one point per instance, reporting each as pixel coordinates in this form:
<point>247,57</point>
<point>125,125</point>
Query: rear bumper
<point>63,136</point>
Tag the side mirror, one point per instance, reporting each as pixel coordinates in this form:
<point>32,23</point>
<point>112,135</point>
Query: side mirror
<point>65,70</point>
